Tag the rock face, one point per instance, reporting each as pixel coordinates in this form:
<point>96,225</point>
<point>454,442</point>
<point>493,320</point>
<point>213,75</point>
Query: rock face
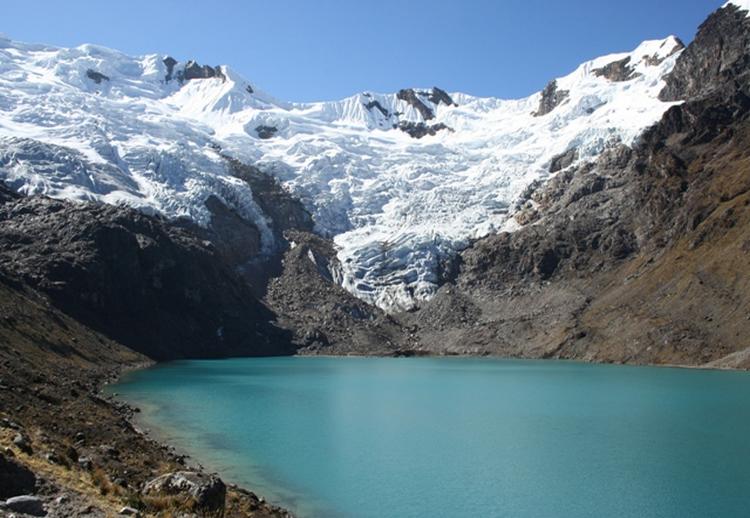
<point>149,284</point>
<point>239,242</point>
<point>170,63</point>
<point>563,160</point>
<point>656,60</point>
<point>193,70</point>
<point>438,96</point>
<point>617,71</point>
<point>376,104</point>
<point>15,479</point>
<point>551,98</point>
<point>327,319</point>
<point>719,53</point>
<point>410,96</point>
<point>207,492</point>
<point>284,210</point>
<point>640,257</point>
<point>420,129</point>
<point>284,213</point>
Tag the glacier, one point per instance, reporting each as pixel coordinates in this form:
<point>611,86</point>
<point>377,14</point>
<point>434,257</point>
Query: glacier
<point>93,124</point>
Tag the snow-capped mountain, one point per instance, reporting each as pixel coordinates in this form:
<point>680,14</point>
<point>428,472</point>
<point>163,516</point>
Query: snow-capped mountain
<point>400,181</point>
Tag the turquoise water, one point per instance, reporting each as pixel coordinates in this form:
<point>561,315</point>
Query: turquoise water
<point>369,437</point>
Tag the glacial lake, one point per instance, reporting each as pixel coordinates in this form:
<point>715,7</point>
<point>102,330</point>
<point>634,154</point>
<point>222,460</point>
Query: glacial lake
<point>460,437</point>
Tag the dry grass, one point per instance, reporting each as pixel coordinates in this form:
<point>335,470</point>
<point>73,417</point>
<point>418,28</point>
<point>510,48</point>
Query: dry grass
<point>75,480</point>
<point>99,490</point>
<point>167,506</point>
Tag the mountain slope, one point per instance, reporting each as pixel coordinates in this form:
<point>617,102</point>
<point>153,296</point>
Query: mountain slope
<point>639,257</point>
<point>400,181</point>
<point>141,281</point>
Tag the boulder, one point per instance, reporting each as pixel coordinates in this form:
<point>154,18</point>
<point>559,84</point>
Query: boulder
<point>15,479</point>
<point>26,504</point>
<point>200,491</point>
<point>22,443</point>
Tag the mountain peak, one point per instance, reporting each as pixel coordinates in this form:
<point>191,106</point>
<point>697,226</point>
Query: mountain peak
<point>401,180</point>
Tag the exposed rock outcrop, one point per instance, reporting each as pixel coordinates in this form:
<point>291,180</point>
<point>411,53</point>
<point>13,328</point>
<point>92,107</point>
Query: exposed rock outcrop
<point>617,71</point>
<point>327,319</point>
<point>420,129</point>
<point>551,98</point>
<point>376,104</point>
<point>437,96</point>
<point>170,63</point>
<point>193,70</point>
<point>410,96</point>
<point>720,53</point>
<point>136,278</point>
<point>563,160</point>
<point>238,241</point>
<point>284,210</point>
<point>266,132</point>
<point>640,257</point>
<point>656,60</point>
<point>7,195</point>
<point>96,77</point>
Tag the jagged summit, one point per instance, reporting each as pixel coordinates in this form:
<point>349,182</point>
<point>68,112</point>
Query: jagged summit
<point>742,4</point>
<point>400,180</point>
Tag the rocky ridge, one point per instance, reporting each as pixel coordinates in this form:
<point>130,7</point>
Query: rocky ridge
<point>402,179</point>
<point>638,257</point>
<point>145,283</point>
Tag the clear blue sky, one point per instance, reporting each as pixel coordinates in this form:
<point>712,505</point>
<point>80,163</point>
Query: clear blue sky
<point>304,50</point>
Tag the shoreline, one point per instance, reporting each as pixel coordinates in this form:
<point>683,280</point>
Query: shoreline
<point>145,425</point>
<point>155,431</point>
<point>96,461</point>
<point>429,355</point>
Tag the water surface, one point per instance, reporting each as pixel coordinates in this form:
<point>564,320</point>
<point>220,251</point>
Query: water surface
<point>375,437</point>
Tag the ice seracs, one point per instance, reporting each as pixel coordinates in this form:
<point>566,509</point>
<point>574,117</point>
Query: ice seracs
<point>398,207</point>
